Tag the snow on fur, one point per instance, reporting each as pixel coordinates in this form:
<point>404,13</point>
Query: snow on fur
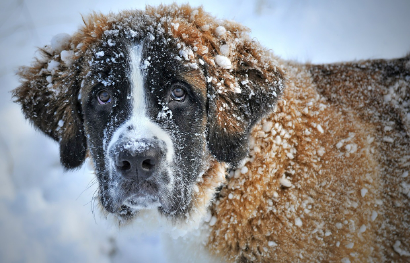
<point>324,179</point>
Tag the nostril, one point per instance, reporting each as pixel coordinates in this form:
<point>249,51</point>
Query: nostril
<point>148,164</point>
<point>125,166</point>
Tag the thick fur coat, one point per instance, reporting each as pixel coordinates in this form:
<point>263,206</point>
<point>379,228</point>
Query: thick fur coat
<point>271,160</point>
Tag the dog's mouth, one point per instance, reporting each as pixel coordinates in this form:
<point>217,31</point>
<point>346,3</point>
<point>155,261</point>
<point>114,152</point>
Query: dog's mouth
<point>125,198</point>
<point>136,203</point>
<point>141,201</point>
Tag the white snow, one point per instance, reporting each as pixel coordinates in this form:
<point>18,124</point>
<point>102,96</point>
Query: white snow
<point>237,90</point>
<point>321,151</point>
<point>99,54</point>
<point>267,126</point>
<point>387,128</point>
<point>67,56</point>
<point>399,250</point>
<point>298,222</point>
<point>339,144</point>
<point>45,213</point>
<point>110,42</point>
<point>350,245</point>
<point>363,192</point>
<point>244,170</point>
<point>220,31</point>
<point>53,66</point>
<point>223,62</point>
<point>351,147</point>
<point>186,53</point>
<point>205,28</point>
<point>388,139</point>
<point>320,129</point>
<point>405,188</point>
<point>60,42</point>
<point>224,50</point>
<point>285,182</point>
<point>194,13</point>
<point>374,215</point>
<point>213,221</point>
<point>176,26</point>
<point>272,244</point>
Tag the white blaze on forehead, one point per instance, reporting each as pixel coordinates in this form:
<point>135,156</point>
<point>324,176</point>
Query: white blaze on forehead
<point>142,126</point>
<point>137,82</point>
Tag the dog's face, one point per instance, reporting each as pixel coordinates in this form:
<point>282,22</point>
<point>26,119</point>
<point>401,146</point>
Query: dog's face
<point>145,117</point>
<point>156,99</point>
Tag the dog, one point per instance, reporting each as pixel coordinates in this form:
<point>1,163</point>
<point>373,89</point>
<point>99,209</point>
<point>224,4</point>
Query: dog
<point>249,157</point>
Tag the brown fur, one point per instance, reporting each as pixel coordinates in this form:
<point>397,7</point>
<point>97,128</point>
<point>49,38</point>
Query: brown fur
<point>324,174</point>
<point>324,179</point>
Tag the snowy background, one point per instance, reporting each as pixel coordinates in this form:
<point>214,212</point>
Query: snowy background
<point>45,214</point>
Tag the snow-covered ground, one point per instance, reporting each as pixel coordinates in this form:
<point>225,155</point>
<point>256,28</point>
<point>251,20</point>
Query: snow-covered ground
<point>46,215</point>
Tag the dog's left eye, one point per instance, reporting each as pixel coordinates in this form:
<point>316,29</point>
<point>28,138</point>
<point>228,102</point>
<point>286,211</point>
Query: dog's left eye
<point>178,92</point>
<point>103,97</point>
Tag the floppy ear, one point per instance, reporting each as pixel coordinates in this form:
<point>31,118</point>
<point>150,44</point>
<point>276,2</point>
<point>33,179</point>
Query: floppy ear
<point>48,95</point>
<point>238,98</point>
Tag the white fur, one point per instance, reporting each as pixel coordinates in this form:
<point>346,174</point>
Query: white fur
<point>191,234</point>
<point>143,126</point>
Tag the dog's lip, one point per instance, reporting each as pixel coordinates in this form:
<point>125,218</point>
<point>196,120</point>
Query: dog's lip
<point>136,202</point>
<point>136,198</point>
<point>140,201</point>
<point>128,196</point>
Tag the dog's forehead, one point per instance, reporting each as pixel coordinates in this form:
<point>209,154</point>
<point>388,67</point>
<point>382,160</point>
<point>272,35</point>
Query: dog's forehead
<point>109,63</point>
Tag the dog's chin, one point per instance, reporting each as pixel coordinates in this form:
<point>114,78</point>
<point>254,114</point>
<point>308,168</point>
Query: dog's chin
<point>141,201</point>
<point>134,204</point>
<point>137,202</point>
<point>126,200</point>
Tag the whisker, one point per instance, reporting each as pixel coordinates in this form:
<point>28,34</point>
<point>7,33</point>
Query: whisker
<point>89,185</point>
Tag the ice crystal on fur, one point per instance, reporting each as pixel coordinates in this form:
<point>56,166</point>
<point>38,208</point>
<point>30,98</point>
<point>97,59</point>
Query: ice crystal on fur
<point>60,42</point>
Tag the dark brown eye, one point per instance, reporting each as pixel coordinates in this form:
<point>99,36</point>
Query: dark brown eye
<point>178,93</point>
<point>103,97</point>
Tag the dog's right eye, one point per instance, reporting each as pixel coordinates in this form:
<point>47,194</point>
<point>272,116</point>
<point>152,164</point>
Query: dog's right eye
<point>103,97</point>
<point>178,92</point>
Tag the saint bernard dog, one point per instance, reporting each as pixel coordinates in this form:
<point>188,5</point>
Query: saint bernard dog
<point>188,119</point>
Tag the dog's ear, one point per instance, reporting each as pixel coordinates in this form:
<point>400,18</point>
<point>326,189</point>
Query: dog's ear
<point>48,95</point>
<point>238,96</point>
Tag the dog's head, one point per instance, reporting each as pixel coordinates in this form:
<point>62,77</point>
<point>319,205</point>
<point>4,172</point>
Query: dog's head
<point>160,99</point>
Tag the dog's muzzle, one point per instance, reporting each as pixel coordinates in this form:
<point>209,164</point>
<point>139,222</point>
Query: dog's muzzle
<point>138,167</point>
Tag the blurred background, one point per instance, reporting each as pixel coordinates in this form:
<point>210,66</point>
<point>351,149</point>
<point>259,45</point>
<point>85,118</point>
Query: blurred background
<point>46,214</point>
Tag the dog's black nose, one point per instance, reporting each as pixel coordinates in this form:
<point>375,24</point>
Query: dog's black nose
<point>138,160</point>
